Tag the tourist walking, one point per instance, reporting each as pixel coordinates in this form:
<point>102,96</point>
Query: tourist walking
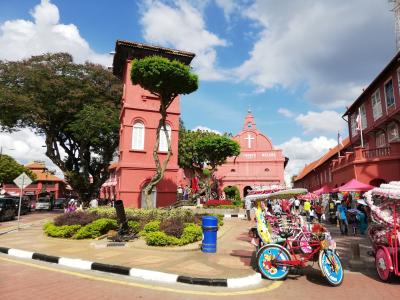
<point>342,216</point>
<point>307,209</point>
<point>248,208</point>
<point>296,206</point>
<point>179,193</point>
<point>318,210</point>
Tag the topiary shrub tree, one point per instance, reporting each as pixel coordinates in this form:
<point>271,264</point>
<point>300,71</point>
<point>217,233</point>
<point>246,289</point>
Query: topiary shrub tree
<point>165,79</point>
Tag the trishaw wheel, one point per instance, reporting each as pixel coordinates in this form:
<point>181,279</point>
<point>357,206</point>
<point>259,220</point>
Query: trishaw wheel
<point>333,273</point>
<point>382,264</point>
<point>267,258</point>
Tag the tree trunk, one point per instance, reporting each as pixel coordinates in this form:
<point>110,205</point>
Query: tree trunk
<point>160,168</point>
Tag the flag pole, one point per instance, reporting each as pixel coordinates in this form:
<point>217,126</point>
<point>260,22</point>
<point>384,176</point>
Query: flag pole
<point>338,144</point>
<point>361,129</point>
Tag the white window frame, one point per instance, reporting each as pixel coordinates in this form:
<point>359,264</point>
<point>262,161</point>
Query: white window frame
<point>138,135</point>
<point>163,146</point>
<point>384,89</point>
<point>353,124</point>
<point>376,105</point>
<point>377,139</point>
<point>363,113</point>
<point>392,125</point>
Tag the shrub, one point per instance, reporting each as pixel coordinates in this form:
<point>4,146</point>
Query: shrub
<point>152,226</point>
<point>191,233</point>
<point>159,238</point>
<point>64,231</point>
<point>75,218</point>
<point>134,226</point>
<point>173,227</point>
<point>96,229</point>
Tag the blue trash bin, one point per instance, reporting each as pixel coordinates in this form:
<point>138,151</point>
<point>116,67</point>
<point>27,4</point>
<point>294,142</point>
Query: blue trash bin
<point>210,228</point>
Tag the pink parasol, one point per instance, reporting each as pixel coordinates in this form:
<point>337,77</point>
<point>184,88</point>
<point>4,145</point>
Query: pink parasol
<point>323,190</point>
<point>308,196</point>
<point>355,186</point>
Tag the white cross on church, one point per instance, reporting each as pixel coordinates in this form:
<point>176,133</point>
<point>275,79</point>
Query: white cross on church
<point>249,139</point>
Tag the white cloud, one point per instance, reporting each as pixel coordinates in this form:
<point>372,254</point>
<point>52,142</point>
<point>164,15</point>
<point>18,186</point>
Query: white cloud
<point>21,39</point>
<point>228,6</point>
<point>285,112</point>
<point>324,122</point>
<point>182,27</point>
<point>333,48</point>
<point>301,152</point>
<point>204,128</point>
<point>25,146</point>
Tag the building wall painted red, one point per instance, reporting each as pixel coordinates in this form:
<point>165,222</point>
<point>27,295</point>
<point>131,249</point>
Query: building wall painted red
<point>136,167</point>
<point>379,160</point>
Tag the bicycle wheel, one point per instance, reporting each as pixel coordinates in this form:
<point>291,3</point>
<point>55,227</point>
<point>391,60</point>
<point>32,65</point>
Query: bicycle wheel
<point>331,267</point>
<point>267,258</point>
<point>382,264</point>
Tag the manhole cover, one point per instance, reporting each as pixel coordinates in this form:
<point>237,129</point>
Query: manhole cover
<point>115,244</point>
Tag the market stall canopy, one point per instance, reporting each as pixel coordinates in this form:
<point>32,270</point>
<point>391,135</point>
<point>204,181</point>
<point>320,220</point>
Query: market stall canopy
<point>355,186</point>
<point>309,196</point>
<point>284,194</point>
<point>323,190</point>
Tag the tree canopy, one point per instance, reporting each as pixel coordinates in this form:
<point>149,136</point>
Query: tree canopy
<point>200,148</point>
<point>75,106</point>
<point>165,79</point>
<point>203,152</point>
<point>11,169</point>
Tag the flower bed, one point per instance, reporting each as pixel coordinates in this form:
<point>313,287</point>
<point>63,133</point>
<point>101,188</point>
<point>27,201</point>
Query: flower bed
<point>158,227</point>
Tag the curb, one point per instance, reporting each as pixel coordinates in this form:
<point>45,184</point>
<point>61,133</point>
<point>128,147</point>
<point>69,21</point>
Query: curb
<point>134,272</point>
<point>239,216</point>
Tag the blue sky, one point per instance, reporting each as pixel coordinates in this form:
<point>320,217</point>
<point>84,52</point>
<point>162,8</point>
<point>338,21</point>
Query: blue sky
<point>296,63</point>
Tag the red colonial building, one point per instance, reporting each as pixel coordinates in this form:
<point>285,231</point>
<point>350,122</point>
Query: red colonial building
<point>370,155</point>
<point>139,120</point>
<point>45,182</point>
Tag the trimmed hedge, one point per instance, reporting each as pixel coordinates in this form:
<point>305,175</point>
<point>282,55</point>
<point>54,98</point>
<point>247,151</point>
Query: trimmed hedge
<point>191,233</point>
<point>65,231</point>
<point>95,229</point>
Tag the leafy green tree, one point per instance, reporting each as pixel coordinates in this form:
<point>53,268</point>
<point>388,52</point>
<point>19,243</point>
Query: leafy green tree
<point>10,169</point>
<point>204,151</point>
<point>75,106</point>
<point>165,79</point>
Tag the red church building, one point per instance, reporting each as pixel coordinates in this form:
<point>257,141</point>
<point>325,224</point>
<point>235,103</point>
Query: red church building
<point>259,163</point>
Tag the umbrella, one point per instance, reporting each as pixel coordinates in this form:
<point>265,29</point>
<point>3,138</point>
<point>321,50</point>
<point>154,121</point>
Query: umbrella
<point>323,190</point>
<point>355,186</point>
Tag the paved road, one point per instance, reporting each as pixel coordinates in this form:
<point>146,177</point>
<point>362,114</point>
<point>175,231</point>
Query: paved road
<point>23,279</point>
<point>29,218</point>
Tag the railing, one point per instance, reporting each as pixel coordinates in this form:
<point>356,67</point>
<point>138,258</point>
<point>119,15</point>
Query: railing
<point>377,152</point>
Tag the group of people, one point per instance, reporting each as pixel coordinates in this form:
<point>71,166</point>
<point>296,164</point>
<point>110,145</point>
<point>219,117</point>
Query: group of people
<point>183,193</point>
<point>348,211</point>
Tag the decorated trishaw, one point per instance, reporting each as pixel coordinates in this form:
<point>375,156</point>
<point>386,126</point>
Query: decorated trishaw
<point>384,232</point>
<point>287,241</point>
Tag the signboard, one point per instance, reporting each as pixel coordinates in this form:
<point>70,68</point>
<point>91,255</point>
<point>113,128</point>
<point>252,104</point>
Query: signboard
<point>22,181</point>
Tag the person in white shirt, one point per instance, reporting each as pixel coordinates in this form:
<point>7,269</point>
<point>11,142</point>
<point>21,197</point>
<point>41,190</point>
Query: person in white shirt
<point>296,206</point>
<point>94,203</point>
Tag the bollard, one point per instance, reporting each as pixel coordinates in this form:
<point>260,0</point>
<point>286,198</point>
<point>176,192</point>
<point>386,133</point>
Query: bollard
<point>355,251</point>
<point>210,228</point>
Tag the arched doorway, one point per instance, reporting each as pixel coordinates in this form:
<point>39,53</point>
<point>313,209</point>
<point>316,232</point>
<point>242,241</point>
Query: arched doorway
<point>153,198</point>
<point>377,182</point>
<point>246,190</point>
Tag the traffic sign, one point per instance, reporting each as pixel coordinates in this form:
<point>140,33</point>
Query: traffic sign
<point>22,181</point>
